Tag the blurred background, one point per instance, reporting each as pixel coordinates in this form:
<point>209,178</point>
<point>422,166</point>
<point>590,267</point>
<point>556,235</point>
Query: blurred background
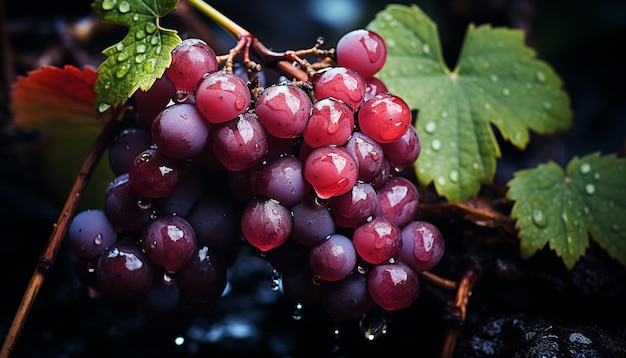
<point>582,40</point>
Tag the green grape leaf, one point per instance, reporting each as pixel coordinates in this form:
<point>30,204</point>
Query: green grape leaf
<point>141,57</point>
<point>561,209</point>
<point>497,80</point>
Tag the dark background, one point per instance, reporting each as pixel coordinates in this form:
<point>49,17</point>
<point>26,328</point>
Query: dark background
<point>582,40</point>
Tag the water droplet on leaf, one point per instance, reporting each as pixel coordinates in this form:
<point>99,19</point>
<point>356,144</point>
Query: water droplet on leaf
<point>590,189</point>
<point>124,7</point>
<point>585,168</point>
<point>539,218</point>
<point>108,4</point>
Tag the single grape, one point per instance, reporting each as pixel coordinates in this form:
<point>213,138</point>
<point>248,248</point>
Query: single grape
<point>90,233</point>
<point>204,277</point>
<point>422,245</point>
<point>348,298</point>
<point>283,110</point>
<point>398,200</point>
<point>191,59</point>
<point>169,241</point>
<point>153,174</point>
<point>312,223</point>
<point>124,271</point>
<point>331,171</point>
<point>280,179</point>
<point>353,208</point>
<point>368,153</point>
<point>266,224</point>
<point>331,123</point>
<point>377,241</point>
<point>241,143</point>
<point>341,83</point>
<point>333,258</point>
<point>125,208</point>
<point>373,87</point>
<point>363,51</point>
<point>215,219</point>
<point>384,117</point>
<point>125,147</point>
<point>222,96</point>
<point>404,151</point>
<point>180,131</point>
<point>393,286</point>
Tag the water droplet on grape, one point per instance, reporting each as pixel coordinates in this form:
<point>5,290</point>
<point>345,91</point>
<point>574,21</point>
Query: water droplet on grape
<point>430,127</point>
<point>145,157</point>
<point>539,218</point>
<point>108,4</point>
<point>585,168</point>
<point>144,203</point>
<point>97,240</point>
<point>124,7</point>
<point>153,244</point>
<point>181,95</point>
<point>590,189</point>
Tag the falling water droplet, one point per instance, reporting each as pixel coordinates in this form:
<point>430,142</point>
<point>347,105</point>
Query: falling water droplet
<point>373,324</point>
<point>297,314</point>
<point>276,276</point>
<point>539,218</point>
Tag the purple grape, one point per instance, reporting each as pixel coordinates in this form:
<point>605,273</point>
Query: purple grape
<point>154,175</point>
<point>377,241</point>
<point>312,223</point>
<point>150,103</point>
<point>280,179</point>
<point>343,84</point>
<point>191,59</point>
<point>393,286</point>
<point>333,258</point>
<point>216,221</point>
<point>127,210</point>
<point>422,245</point>
<point>241,143</point>
<point>369,155</point>
<point>204,277</point>
<point>266,224</point>
<point>125,147</point>
<point>124,271</point>
<point>284,110</point>
<point>404,151</point>
<point>348,298</point>
<point>301,286</point>
<point>169,241</point>
<point>180,131</point>
<point>398,200</point>
<point>363,51</point>
<point>354,207</point>
<point>90,233</point>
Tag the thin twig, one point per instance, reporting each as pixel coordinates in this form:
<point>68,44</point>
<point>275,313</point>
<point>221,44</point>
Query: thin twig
<point>47,258</point>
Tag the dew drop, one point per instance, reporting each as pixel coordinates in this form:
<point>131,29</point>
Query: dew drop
<point>276,276</point>
<point>144,203</point>
<point>586,210</point>
<point>547,105</point>
<point>454,176</point>
<point>149,65</point>
<point>108,4</point>
<point>141,48</point>
<point>441,180</point>
<point>487,106</point>
<point>158,50</point>
<point>539,218</point>
<point>590,189</point>
<point>430,127</point>
<point>151,27</point>
<point>426,49</point>
<point>444,114</point>
<point>119,46</point>
<point>122,56</point>
<point>585,168</point>
<point>436,144</point>
<point>107,85</point>
<point>136,17</point>
<point>140,58</point>
<point>506,91</point>
<point>493,78</point>
<point>296,314</point>
<point>475,166</point>
<point>596,176</point>
<point>103,107</point>
<point>153,244</point>
<point>140,34</point>
<point>540,76</point>
<point>154,40</point>
<point>97,240</point>
<point>124,7</point>
<point>122,71</point>
<point>564,217</point>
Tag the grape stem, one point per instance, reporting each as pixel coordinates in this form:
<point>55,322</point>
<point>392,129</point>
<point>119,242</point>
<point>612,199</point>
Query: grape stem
<point>47,258</point>
<point>283,62</point>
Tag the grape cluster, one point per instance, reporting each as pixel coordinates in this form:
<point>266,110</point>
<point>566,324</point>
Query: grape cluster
<point>308,175</point>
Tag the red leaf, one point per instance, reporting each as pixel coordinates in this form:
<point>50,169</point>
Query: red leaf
<point>54,95</point>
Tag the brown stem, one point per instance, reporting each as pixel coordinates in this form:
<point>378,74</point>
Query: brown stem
<point>47,258</point>
<point>459,311</point>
